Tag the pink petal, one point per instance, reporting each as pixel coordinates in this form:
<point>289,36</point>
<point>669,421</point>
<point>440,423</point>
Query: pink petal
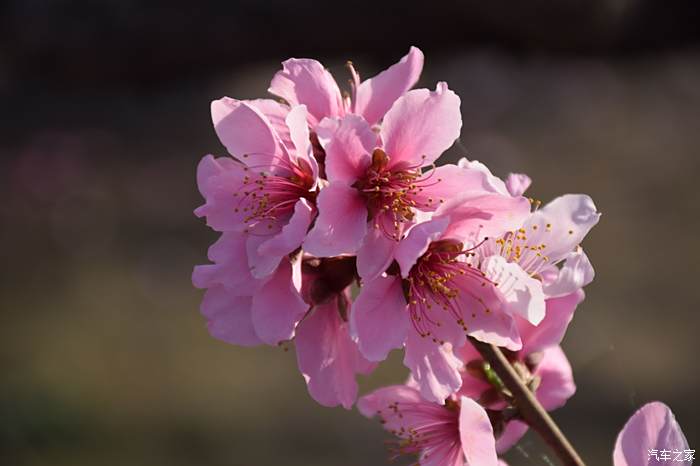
<point>230,267</point>
<point>653,426</point>
<point>492,182</point>
<point>219,180</point>
<point>375,96</point>
<point>245,132</point>
<point>328,358</point>
<point>262,265</point>
<point>433,366</point>
<point>474,218</point>
<point>341,223</point>
<point>551,330</point>
<point>229,317</point>
<point>421,125</point>
<point>379,319</point>
<point>517,183</point>
<point>576,273</point>
<point>523,294</point>
<point>296,122</point>
<point>287,240</point>
<point>512,433</point>
<point>483,316</point>
<point>450,181</point>
<point>476,434</point>
<point>348,149</point>
<point>561,225</point>
<point>276,113</point>
<point>416,243</point>
<point>278,306</point>
<point>557,379</point>
<point>305,81</point>
<point>375,255</point>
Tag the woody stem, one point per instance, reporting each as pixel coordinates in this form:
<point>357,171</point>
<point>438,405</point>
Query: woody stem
<point>531,411</point>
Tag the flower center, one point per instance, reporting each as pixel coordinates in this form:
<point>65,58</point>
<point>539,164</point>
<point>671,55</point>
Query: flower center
<point>393,193</point>
<point>437,282</point>
<point>268,197</point>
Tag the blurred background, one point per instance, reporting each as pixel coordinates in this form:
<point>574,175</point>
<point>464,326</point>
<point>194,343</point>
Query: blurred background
<point>104,112</point>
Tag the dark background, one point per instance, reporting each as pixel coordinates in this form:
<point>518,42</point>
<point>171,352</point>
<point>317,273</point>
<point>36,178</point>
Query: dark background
<point>104,112</point>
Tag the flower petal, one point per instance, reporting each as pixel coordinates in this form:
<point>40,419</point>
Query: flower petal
<point>433,366</point>
<point>229,317</point>
<point>421,125</point>
<point>551,330</point>
<point>230,267</point>
<point>348,149</point>
<point>219,180</point>
<point>576,273</point>
<point>512,433</point>
<point>561,225</point>
<point>417,241</point>
<point>556,379</point>
<point>341,223</point>
<point>523,294</point>
<point>476,434</point>
<point>481,305</point>
<point>473,218</point>
<point>305,81</point>
<point>276,113</point>
<point>289,238</point>
<point>299,134</point>
<point>245,132</point>
<point>493,183</point>
<point>653,426</point>
<point>450,181</point>
<point>278,305</point>
<point>376,254</point>
<point>375,96</point>
<point>517,184</point>
<point>379,319</point>
<point>328,358</point>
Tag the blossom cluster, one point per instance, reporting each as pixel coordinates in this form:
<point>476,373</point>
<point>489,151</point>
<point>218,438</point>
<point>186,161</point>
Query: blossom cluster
<point>340,233</point>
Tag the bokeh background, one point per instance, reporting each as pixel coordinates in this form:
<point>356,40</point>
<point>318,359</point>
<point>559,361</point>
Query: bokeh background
<point>104,112</point>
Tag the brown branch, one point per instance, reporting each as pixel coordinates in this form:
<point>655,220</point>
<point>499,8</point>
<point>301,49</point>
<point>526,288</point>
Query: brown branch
<point>531,411</point>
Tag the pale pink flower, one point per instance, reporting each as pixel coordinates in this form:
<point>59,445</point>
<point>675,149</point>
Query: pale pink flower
<point>305,81</point>
<point>268,193</point>
<point>653,429</point>
<point>377,184</point>
<point>434,297</point>
<point>525,262</point>
<point>541,356</point>
<point>458,433</point>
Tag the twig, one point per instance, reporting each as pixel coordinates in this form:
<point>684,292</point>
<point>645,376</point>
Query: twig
<point>530,409</point>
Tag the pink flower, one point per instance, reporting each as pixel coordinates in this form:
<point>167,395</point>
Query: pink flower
<point>652,435</point>
<point>541,356</point>
<point>268,194</point>
<point>305,81</point>
<point>377,185</point>
<point>549,237</point>
<point>434,298</point>
<point>457,433</point>
<point>524,262</point>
